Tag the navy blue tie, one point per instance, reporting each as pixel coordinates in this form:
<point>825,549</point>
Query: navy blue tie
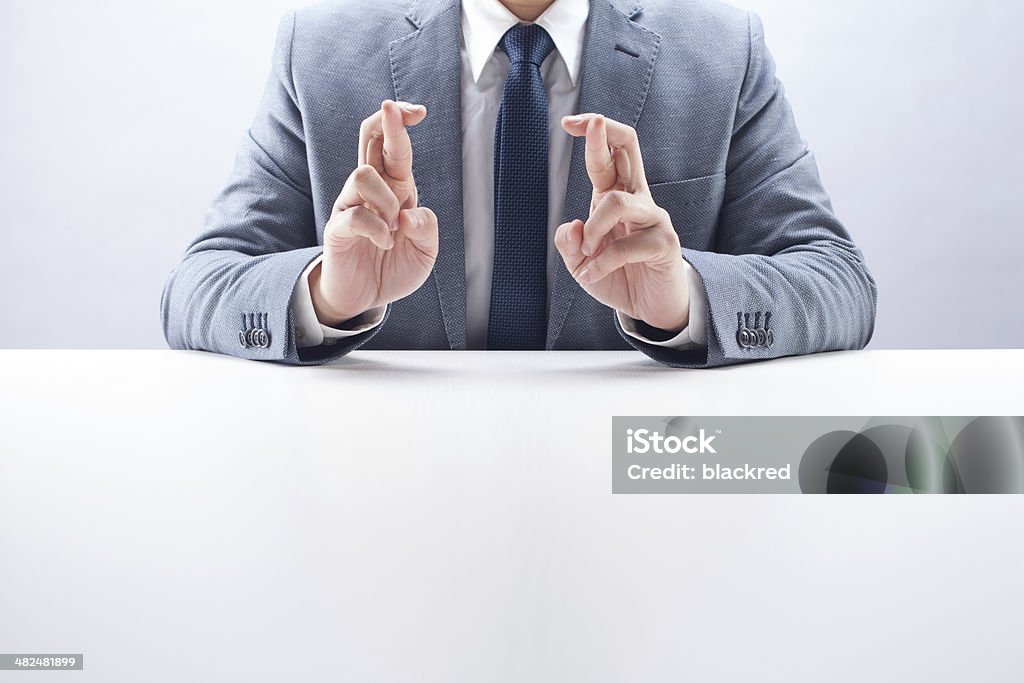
<point>518,315</point>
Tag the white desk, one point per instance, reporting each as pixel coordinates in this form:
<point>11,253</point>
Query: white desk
<point>448,517</point>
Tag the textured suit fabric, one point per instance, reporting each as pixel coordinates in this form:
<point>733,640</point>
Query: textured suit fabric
<point>720,145</point>
<point>519,284</point>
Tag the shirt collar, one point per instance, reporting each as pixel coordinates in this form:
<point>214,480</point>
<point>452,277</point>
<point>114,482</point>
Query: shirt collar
<point>484,22</point>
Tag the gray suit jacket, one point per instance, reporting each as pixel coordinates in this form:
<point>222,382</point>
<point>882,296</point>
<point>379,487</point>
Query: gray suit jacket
<point>720,146</point>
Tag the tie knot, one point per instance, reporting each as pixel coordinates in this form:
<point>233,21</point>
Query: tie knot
<point>527,43</point>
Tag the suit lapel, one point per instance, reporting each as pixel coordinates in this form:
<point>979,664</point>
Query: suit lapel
<point>618,60</point>
<point>427,69</point>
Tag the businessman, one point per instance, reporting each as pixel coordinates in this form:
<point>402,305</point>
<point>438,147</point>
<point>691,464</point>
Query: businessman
<point>522,175</point>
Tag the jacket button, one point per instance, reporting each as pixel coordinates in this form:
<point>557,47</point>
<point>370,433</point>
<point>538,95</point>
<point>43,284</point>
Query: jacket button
<point>743,338</point>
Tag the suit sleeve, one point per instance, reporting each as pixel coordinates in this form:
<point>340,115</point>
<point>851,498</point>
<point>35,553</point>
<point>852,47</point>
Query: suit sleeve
<point>785,277</point>
<point>258,238</point>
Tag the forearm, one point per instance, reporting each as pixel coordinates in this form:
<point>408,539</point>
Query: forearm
<point>313,327</point>
<point>213,296</point>
<point>816,298</point>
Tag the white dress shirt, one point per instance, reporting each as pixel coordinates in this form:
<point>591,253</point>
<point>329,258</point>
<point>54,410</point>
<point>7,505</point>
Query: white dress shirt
<point>484,69</point>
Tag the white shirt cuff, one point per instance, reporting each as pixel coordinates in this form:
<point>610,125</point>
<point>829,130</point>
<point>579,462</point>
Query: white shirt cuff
<point>694,335</point>
<point>309,331</point>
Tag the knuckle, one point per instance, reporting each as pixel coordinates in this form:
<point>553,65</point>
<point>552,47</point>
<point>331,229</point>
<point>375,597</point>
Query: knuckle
<point>667,239</point>
<point>337,228</point>
<point>356,216</point>
<point>331,228</point>
<point>618,250</point>
<point>367,219</point>
<point>616,200</point>
<point>401,154</point>
<point>369,122</point>
<point>363,174</point>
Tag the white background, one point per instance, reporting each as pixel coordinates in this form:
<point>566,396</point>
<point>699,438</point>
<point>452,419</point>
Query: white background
<point>120,120</point>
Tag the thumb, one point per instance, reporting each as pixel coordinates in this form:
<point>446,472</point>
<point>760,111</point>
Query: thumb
<point>569,242</point>
<point>419,225</point>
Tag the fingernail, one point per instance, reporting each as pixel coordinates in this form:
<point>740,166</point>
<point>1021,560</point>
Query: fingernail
<point>586,249</point>
<point>585,276</point>
<point>411,107</point>
<point>574,119</point>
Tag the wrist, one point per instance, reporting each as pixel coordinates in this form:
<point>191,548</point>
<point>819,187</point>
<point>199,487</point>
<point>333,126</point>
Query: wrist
<point>326,314</point>
<point>673,319</point>
<point>669,324</point>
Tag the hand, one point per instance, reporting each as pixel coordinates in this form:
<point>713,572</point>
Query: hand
<point>626,255</point>
<point>379,246</point>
